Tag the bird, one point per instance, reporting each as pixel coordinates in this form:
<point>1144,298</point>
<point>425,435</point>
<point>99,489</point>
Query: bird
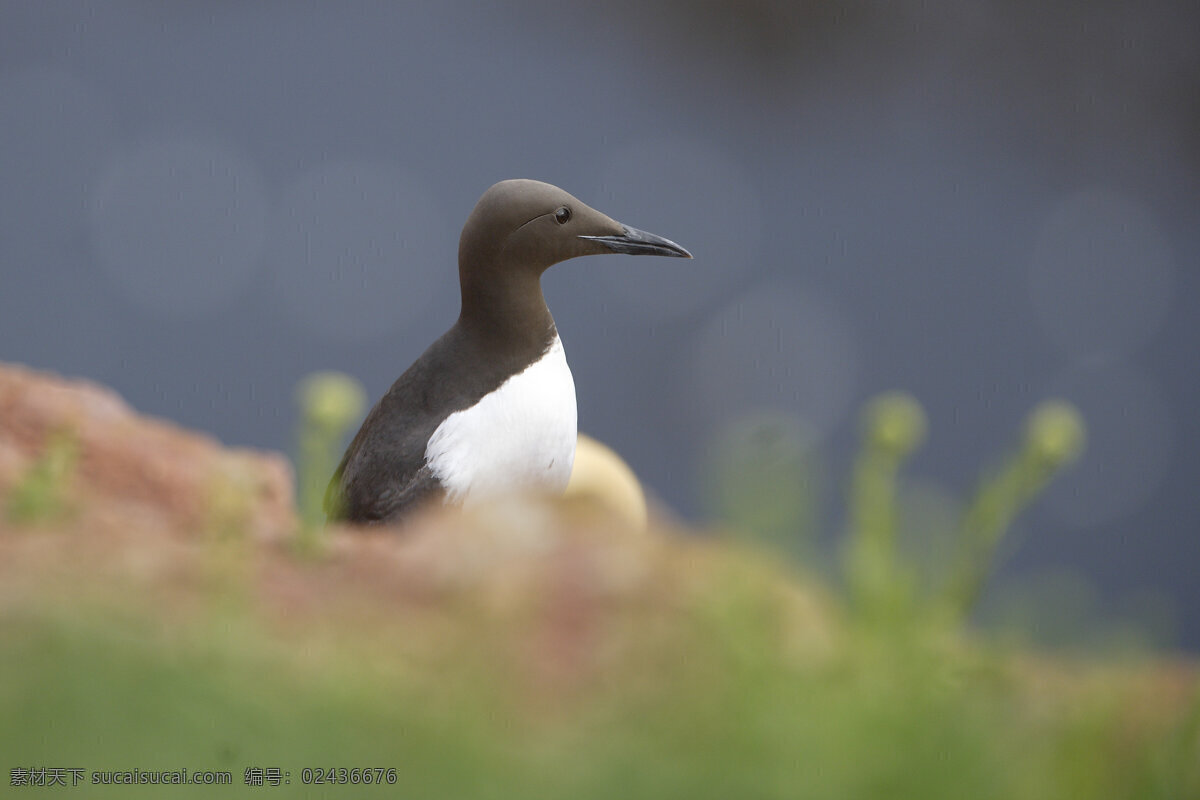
<point>489,408</point>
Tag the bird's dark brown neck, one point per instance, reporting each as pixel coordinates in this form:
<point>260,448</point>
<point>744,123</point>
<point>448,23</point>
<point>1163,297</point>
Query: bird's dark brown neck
<point>506,309</point>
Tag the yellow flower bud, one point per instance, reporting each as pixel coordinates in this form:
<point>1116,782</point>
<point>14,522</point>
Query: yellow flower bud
<point>1055,433</point>
<point>895,422</point>
<point>331,400</point>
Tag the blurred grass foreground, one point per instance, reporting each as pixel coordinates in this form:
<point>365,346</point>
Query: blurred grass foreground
<point>163,607</point>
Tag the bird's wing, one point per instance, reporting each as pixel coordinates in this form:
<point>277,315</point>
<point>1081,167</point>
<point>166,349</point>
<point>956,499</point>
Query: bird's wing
<point>383,473</point>
<point>389,503</point>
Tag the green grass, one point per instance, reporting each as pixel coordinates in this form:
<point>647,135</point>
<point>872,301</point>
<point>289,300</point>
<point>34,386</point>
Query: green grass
<point>716,708</point>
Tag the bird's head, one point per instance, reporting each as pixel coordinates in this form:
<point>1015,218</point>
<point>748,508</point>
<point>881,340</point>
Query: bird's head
<point>528,225</point>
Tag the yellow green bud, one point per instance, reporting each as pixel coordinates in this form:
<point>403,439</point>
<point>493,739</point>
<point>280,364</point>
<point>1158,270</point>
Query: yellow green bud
<point>895,422</point>
<point>331,400</point>
<point>1055,433</point>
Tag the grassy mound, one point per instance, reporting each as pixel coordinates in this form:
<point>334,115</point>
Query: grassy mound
<point>538,649</point>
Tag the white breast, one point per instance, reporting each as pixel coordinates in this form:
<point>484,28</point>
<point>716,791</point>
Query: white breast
<point>520,436</point>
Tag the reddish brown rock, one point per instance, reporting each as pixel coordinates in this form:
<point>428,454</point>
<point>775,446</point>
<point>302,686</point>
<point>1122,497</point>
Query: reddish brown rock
<point>130,466</point>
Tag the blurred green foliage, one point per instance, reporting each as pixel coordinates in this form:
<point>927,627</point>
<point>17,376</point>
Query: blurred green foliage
<point>329,403</point>
<point>893,426</point>
<point>904,553</point>
<point>713,708</point>
<point>1054,437</point>
<point>41,495</point>
<point>728,700</point>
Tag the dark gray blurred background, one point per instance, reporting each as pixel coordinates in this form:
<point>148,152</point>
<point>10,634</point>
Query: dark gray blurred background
<point>983,203</point>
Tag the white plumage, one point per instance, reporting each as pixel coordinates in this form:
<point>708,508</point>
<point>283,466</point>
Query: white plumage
<point>519,437</point>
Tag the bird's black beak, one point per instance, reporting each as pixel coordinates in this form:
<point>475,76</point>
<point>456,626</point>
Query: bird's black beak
<point>633,242</point>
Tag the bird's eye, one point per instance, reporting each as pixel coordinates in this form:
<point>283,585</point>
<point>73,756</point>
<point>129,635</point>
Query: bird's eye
<point>562,215</point>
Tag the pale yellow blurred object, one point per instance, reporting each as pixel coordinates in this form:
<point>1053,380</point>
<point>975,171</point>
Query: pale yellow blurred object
<point>601,477</point>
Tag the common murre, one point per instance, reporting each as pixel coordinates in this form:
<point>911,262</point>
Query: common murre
<point>490,406</point>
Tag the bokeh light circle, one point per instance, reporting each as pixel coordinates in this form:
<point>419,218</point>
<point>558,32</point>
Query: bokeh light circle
<point>1102,273</point>
<point>774,348</point>
<point>357,249</point>
<point>179,225</point>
